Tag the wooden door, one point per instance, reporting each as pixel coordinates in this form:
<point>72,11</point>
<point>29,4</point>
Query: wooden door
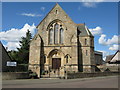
<point>56,63</point>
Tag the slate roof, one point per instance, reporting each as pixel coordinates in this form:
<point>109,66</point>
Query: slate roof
<point>84,31</point>
<point>98,52</point>
<point>109,58</point>
<point>4,52</point>
<point>4,58</point>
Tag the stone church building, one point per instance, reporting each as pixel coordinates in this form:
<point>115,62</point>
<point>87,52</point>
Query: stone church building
<point>61,46</point>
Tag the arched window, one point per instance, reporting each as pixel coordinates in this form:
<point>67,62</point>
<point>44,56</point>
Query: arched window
<point>56,11</point>
<point>56,27</point>
<point>56,33</point>
<point>85,41</point>
<point>51,36</point>
<point>61,35</point>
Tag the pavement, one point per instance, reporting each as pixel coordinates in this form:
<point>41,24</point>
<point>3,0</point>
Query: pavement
<point>95,82</point>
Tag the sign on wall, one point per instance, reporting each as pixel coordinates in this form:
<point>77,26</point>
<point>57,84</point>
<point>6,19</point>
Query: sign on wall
<point>11,63</point>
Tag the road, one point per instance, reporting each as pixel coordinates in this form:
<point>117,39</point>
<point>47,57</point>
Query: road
<point>96,82</point>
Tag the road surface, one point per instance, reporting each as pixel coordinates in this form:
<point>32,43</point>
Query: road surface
<point>96,82</point>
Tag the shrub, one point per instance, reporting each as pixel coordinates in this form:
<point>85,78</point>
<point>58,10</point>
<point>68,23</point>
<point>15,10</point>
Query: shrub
<point>33,75</point>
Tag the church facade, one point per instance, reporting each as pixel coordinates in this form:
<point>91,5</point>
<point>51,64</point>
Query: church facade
<point>61,46</point>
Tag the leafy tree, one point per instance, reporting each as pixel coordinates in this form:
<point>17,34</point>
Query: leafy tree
<point>22,53</point>
<point>13,55</point>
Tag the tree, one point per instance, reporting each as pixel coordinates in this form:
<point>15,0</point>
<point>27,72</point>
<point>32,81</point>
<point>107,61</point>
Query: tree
<point>23,51</point>
<point>13,55</point>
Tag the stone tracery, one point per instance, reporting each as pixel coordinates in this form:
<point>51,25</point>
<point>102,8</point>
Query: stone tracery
<point>56,32</point>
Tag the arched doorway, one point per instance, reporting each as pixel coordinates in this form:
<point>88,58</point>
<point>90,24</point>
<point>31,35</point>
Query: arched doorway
<point>56,62</point>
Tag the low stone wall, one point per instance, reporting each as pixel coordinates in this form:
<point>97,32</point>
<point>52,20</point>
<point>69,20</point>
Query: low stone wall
<point>86,75</point>
<point>14,75</point>
<point>111,68</point>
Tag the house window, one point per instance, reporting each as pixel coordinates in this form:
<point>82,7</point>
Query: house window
<point>51,36</point>
<point>86,52</point>
<point>56,11</point>
<point>61,35</point>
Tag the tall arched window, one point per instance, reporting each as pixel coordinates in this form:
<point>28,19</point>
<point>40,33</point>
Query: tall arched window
<point>61,35</point>
<point>86,52</point>
<point>51,36</point>
<point>56,32</point>
<point>56,27</point>
<point>85,41</point>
